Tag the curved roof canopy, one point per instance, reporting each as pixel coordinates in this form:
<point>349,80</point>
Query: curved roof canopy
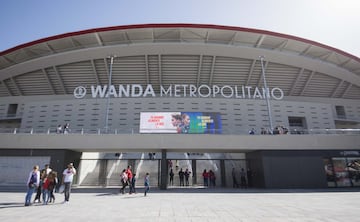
<point>161,54</point>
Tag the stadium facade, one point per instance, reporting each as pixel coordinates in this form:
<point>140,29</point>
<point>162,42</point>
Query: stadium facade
<point>285,108</point>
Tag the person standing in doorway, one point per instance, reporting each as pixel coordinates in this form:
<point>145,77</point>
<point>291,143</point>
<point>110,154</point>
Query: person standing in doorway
<point>205,175</point>
<point>233,174</point>
<point>68,176</point>
<point>171,174</point>
<point>181,177</point>
<point>249,177</point>
<point>187,175</point>
<point>243,178</point>
<point>32,183</point>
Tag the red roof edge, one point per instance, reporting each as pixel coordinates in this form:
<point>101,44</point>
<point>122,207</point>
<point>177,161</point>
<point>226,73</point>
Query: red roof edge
<point>178,25</point>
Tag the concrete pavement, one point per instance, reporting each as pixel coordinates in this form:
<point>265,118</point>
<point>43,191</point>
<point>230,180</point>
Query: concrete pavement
<point>188,205</point>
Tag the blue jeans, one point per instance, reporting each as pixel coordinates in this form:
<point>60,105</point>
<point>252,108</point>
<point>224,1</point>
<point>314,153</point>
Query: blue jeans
<point>29,194</point>
<point>45,193</point>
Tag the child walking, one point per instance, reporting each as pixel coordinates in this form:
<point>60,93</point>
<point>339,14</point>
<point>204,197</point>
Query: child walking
<point>146,183</point>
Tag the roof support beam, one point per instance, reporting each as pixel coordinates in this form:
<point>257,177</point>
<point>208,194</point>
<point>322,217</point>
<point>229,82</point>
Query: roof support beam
<point>260,41</point>
<point>48,80</point>
<point>296,81</point>
<point>127,37</point>
<point>306,50</point>
<point>282,45</point>
<point>261,75</point>
<point>61,82</point>
<point>196,34</point>
<point>336,89</point>
<point>212,70</point>
<point>147,69</point>
<point>251,72</point>
<point>207,36</point>
<point>96,75</point>
<point>231,42</point>
<point>50,48</point>
<point>307,83</point>
<point>345,63</point>
<point>326,55</point>
<point>8,60</point>
<point>16,86</point>
<point>27,52</point>
<point>160,70</point>
<point>106,67</point>
<point>74,43</point>
<point>98,39</point>
<point>346,90</point>
<point>7,88</point>
<point>199,71</point>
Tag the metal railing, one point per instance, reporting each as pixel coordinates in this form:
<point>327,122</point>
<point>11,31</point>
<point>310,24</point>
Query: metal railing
<point>103,131</point>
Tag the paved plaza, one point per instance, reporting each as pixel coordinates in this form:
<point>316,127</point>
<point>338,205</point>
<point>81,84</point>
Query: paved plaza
<point>188,205</point>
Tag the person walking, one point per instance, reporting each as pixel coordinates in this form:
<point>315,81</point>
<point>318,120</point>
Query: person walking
<point>146,184</point>
<point>129,178</point>
<point>133,183</point>
<point>46,190</point>
<point>123,180</point>
<point>53,182</point>
<point>32,183</point>
<point>68,176</point>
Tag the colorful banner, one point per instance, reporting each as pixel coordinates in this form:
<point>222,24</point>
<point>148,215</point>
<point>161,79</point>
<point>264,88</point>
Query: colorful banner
<point>180,122</point>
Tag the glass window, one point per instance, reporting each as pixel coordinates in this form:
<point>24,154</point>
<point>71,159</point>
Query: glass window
<point>353,168</point>
<point>341,174</point>
<point>329,171</point>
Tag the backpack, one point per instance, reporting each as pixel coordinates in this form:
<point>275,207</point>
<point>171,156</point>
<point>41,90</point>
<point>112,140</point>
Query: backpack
<point>33,180</point>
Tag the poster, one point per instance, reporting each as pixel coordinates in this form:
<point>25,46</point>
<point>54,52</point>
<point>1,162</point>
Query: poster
<point>180,122</point>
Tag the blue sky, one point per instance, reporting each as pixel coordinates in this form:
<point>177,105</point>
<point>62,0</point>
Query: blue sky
<point>331,22</point>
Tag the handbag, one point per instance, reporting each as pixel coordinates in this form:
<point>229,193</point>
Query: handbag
<point>62,188</point>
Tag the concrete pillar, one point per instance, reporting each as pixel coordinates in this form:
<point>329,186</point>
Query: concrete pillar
<point>194,179</point>
<point>223,175</point>
<point>163,171</point>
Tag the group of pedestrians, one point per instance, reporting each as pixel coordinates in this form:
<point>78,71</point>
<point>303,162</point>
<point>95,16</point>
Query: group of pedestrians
<point>209,178</point>
<point>128,178</point>
<point>184,177</point>
<point>63,129</point>
<point>45,181</point>
<point>245,178</point>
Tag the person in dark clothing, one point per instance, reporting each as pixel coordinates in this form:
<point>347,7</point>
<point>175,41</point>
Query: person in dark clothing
<point>181,177</point>
<point>233,174</point>
<point>212,178</point>
<point>249,177</point>
<point>171,174</point>
<point>243,178</point>
<point>187,175</point>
